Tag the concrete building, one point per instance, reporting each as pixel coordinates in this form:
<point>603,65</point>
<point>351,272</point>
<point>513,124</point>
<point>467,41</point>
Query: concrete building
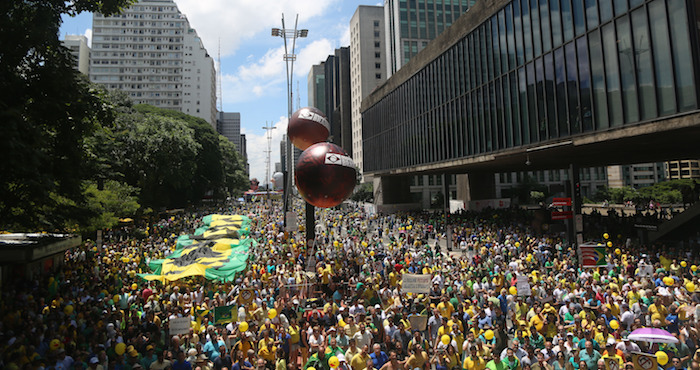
<point>151,52</point>
<point>367,66</point>
<point>228,124</point>
<point>411,25</point>
<point>78,45</point>
<point>635,175</point>
<point>244,153</point>
<point>338,108</point>
<point>682,169</point>
<point>516,86</point>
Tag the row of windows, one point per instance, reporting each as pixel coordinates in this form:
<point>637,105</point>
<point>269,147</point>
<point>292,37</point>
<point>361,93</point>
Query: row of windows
<point>134,31</point>
<point>488,93</point>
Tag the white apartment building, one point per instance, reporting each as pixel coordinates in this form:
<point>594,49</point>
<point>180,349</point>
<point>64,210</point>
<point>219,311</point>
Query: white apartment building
<point>78,45</point>
<point>151,52</point>
<point>367,66</point>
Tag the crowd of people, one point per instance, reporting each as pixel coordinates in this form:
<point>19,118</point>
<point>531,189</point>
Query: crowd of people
<point>337,302</point>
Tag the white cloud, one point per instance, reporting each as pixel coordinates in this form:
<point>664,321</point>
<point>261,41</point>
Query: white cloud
<point>233,21</point>
<point>88,34</point>
<point>257,147</point>
<point>267,75</point>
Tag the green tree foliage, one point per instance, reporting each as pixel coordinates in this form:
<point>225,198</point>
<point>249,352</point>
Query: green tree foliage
<point>667,192</point>
<point>363,193</point>
<point>46,111</point>
<point>107,205</point>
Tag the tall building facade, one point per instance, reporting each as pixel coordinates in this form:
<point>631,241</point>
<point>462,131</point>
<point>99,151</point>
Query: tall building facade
<point>151,52</point>
<point>337,78</point>
<point>636,175</point>
<point>78,45</point>
<point>411,24</point>
<point>367,66</point>
<point>559,81</point>
<point>316,87</point>
<point>228,124</point>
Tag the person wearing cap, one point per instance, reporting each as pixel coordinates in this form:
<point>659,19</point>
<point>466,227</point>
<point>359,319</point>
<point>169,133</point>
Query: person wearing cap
<point>612,354</point>
<point>149,358</point>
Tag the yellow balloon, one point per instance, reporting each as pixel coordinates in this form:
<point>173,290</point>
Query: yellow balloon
<point>694,268</point>
<point>134,286</point>
<point>272,313</point>
<point>445,339</point>
<point>684,264</point>
<point>610,244</point>
<point>371,253</point>
<point>517,244</point>
<point>614,324</point>
<point>310,368</point>
<point>342,323</point>
<point>513,290</point>
<point>661,358</point>
<point>116,298</point>
<point>606,236</point>
<point>55,344</point>
<point>690,287</point>
<point>120,348</point>
<point>617,251</point>
<point>333,362</point>
<point>488,334</point>
<point>243,327</point>
<point>68,310</point>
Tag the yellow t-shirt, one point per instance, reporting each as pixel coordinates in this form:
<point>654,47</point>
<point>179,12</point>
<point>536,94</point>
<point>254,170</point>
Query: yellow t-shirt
<point>415,362</point>
<point>477,363</point>
<point>658,312</point>
<point>359,361</point>
<point>446,309</point>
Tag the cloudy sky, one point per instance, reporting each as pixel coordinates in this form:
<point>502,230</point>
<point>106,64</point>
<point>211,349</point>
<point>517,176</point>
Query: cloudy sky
<point>253,72</point>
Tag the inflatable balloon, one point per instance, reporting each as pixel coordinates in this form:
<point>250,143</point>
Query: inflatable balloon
<point>668,281</point>
<point>68,310</point>
<point>134,286</point>
<point>325,175</point>
<point>661,358</point>
<point>694,268</point>
<point>488,334</point>
<point>690,287</point>
<point>55,344</point>
<point>606,236</point>
<point>517,244</point>
<point>684,264</point>
<point>445,339</point>
<point>513,290</point>
<point>116,298</point>
<point>272,313</point>
<point>243,327</point>
<point>308,126</point>
<point>333,362</point>
<point>614,324</point>
<point>609,244</point>
<point>120,348</point>
<point>618,251</point>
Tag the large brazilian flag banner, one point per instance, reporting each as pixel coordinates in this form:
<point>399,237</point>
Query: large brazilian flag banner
<point>218,250</point>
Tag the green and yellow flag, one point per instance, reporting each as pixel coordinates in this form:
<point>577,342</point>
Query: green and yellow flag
<point>216,253</point>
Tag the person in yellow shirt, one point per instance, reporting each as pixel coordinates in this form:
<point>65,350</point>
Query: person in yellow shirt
<point>473,361</point>
<point>359,361</point>
<point>445,307</point>
<point>266,348</point>
<point>657,310</point>
<point>633,295</point>
<point>418,360</point>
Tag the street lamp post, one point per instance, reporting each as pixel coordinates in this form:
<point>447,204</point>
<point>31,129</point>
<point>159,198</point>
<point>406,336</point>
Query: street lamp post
<point>289,58</point>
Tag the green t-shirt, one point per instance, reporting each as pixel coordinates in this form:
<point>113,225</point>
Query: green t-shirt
<point>511,364</point>
<point>491,365</point>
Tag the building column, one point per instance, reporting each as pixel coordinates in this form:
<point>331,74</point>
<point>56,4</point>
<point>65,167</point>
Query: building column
<point>476,186</point>
<point>392,190</point>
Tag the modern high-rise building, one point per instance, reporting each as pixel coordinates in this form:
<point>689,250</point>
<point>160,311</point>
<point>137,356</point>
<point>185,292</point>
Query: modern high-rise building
<point>367,66</point>
<point>337,78</point>
<point>244,153</point>
<point>316,83</point>
<point>150,51</point>
<point>410,25</point>
<point>228,124</point>
<point>78,45</point>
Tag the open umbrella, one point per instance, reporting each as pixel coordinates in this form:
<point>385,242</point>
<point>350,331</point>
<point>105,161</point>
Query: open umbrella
<point>652,335</point>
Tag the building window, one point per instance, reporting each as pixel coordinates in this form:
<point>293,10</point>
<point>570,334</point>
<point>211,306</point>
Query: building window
<point>376,44</point>
<point>378,76</point>
<point>377,65</point>
<point>377,55</point>
<point>376,33</point>
<point>376,23</point>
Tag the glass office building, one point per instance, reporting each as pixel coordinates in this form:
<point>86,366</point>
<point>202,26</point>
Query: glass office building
<point>539,71</point>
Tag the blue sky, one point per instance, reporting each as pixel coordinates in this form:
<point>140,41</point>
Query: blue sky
<point>253,72</point>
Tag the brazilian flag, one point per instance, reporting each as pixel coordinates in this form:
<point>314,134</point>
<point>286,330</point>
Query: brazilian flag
<point>217,253</point>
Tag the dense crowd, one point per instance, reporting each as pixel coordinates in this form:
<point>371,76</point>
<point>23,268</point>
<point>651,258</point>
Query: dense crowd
<point>338,301</point>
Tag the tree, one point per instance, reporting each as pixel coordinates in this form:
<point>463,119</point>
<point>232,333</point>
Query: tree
<point>106,206</point>
<point>363,193</point>
<point>46,111</point>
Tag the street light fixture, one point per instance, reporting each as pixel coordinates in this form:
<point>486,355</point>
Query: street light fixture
<point>289,58</point>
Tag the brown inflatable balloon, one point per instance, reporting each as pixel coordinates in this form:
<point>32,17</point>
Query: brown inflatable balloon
<point>325,175</point>
<point>307,127</point>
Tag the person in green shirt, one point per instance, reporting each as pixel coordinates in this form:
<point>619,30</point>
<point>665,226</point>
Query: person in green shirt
<point>511,362</point>
<point>496,364</point>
